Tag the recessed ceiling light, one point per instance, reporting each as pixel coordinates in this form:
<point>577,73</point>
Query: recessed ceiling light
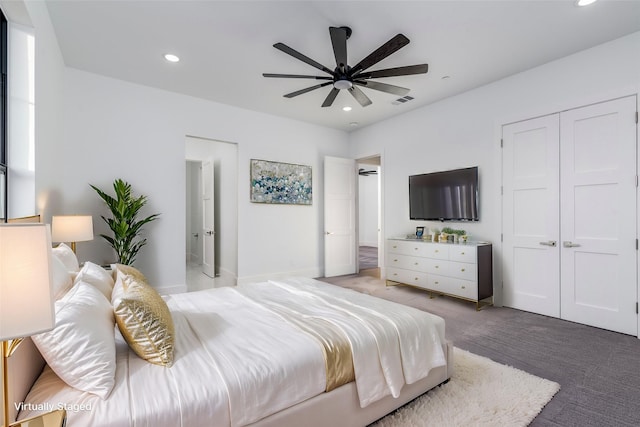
<point>353,124</point>
<point>346,108</point>
<point>171,57</point>
<point>585,2</point>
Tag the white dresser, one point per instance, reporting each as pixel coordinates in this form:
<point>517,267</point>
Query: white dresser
<point>461,270</point>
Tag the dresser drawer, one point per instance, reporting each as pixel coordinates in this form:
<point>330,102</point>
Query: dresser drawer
<point>437,266</point>
<point>463,270</point>
<point>437,283</point>
<point>462,288</point>
<point>415,278</point>
<point>437,250</point>
<point>416,248</point>
<point>407,262</point>
<point>463,253</point>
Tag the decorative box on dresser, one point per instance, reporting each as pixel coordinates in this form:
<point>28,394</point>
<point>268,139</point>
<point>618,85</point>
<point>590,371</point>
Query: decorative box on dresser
<point>461,270</point>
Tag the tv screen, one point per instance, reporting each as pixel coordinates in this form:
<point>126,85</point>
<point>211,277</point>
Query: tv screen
<point>444,196</point>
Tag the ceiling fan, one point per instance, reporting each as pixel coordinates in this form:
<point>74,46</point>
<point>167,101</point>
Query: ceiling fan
<point>349,78</point>
<point>364,172</point>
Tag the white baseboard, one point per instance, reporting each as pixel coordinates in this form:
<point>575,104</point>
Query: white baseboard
<point>311,273</point>
<point>227,277</point>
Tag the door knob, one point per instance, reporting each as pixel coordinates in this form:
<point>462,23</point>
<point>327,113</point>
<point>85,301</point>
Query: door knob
<point>568,244</point>
<point>549,243</point>
<point>328,232</point>
<point>209,233</point>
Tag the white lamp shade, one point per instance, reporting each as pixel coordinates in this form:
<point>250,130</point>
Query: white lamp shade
<point>26,296</point>
<point>72,228</point>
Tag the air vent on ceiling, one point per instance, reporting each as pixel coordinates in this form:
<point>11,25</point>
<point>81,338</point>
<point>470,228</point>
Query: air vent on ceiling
<point>402,100</point>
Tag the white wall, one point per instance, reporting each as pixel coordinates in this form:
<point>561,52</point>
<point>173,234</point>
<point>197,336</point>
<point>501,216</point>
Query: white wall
<point>193,213</point>
<point>465,130</point>
<point>368,207</point>
<point>113,129</point>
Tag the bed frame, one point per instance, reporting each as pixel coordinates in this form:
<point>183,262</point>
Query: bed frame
<point>337,407</point>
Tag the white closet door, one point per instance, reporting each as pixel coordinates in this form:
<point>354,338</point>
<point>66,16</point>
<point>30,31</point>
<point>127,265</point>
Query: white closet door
<point>598,215</point>
<point>531,272</point>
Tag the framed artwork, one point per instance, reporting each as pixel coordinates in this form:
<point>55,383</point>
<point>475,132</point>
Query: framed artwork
<point>280,183</point>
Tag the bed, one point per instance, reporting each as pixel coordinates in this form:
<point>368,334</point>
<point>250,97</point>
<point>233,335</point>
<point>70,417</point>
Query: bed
<point>264,354</point>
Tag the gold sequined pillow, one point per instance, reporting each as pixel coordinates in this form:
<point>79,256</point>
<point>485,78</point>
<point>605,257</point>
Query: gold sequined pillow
<point>130,271</point>
<point>145,321</point>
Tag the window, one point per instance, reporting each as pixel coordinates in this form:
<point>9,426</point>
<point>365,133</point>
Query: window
<point>3,118</point>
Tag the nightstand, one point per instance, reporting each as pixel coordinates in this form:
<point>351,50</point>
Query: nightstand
<point>51,419</point>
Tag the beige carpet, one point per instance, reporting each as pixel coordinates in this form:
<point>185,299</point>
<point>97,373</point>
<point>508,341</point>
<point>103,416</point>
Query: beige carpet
<point>481,392</point>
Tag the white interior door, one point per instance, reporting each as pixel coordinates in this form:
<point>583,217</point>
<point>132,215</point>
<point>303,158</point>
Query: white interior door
<point>340,253</point>
<point>208,233</point>
<point>531,274</point>
<point>598,192</point>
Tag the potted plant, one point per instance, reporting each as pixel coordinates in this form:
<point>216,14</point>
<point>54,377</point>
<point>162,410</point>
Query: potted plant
<point>124,222</point>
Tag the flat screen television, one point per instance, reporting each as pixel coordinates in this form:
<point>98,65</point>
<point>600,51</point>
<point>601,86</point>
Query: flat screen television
<point>444,196</point>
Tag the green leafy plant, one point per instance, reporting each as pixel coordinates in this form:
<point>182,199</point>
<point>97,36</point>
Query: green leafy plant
<point>449,230</point>
<point>124,221</point>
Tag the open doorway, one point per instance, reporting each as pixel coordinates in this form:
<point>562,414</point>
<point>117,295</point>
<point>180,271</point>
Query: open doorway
<point>369,216</point>
<point>211,207</point>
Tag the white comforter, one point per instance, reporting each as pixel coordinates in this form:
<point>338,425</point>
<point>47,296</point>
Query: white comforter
<point>239,360</point>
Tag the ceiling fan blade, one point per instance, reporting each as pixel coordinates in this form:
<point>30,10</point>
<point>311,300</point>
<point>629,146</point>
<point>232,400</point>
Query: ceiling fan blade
<point>339,42</point>
<point>359,96</point>
<point>393,45</point>
<point>394,72</point>
<point>331,97</point>
<point>309,89</point>
<point>383,87</point>
<point>296,76</point>
<point>289,51</point>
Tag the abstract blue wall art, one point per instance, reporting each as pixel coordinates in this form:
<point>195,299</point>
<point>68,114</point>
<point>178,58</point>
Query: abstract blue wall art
<point>283,183</point>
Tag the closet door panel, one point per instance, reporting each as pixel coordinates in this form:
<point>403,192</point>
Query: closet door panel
<point>531,271</point>
<point>598,215</point>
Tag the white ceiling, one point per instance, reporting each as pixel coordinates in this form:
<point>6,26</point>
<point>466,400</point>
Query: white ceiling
<point>225,46</point>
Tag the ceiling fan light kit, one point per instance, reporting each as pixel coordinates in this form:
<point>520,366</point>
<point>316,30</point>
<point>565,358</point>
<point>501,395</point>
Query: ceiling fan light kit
<point>344,77</point>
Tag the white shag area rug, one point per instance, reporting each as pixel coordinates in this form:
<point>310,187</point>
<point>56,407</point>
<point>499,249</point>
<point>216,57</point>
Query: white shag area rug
<point>481,392</point>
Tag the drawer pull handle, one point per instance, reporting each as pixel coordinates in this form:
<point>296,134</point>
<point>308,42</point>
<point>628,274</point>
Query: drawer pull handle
<point>464,287</point>
<point>437,283</point>
<point>395,247</point>
<point>395,260</point>
<point>415,278</point>
<point>461,253</point>
<point>415,249</point>
<point>437,266</point>
<point>415,263</point>
<point>436,251</point>
<point>462,269</point>
<point>395,274</point>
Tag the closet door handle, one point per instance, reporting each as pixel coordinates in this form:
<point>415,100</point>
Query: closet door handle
<point>549,243</point>
<point>568,244</point>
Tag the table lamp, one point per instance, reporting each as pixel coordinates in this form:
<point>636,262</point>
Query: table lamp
<point>26,297</point>
<point>72,228</point>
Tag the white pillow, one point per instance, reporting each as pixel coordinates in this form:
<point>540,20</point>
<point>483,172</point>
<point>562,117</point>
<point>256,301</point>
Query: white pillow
<point>97,276</point>
<point>68,258</point>
<point>62,281</point>
<point>118,287</point>
<point>81,348</point>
